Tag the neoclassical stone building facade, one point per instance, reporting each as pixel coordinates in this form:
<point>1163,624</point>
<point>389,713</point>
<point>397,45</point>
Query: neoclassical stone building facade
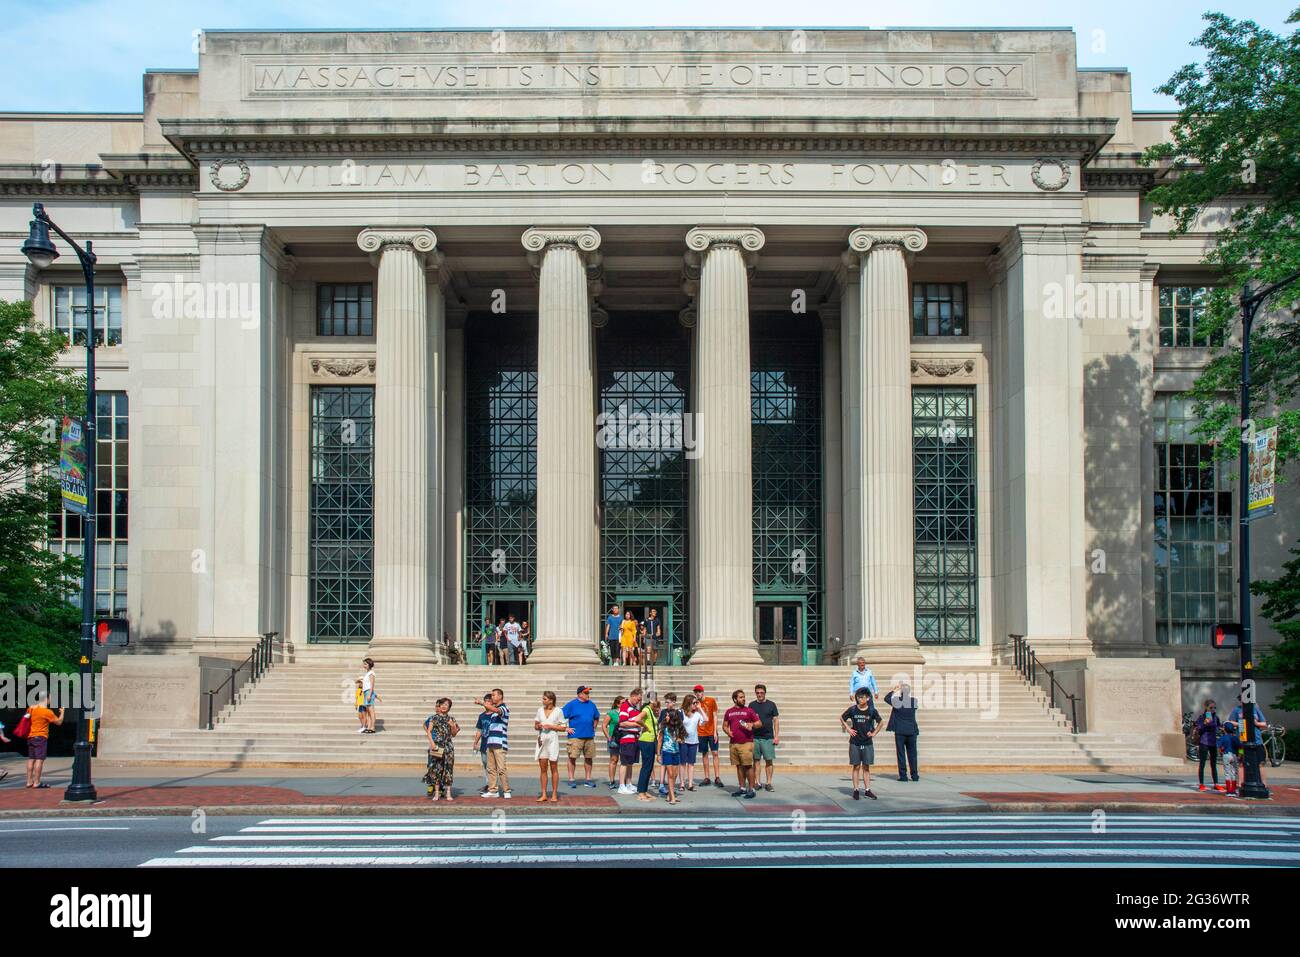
<point>397,323</point>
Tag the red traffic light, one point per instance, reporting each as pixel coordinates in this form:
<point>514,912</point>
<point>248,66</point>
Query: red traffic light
<point>1227,636</point>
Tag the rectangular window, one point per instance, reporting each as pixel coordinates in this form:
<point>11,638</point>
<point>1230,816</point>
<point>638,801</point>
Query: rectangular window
<point>939,309</point>
<point>70,314</point>
<point>945,576</point>
<point>1193,529</point>
<point>345,309</point>
<point>112,492</point>
<point>1182,318</point>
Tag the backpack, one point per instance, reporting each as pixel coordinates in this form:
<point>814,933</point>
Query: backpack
<point>24,726</point>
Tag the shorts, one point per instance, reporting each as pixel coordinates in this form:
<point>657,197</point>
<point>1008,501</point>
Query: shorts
<point>368,699</point>
<point>361,709</point>
<point>689,752</point>
<point>612,744</point>
<point>582,748</point>
<point>628,752</point>
<point>37,748</point>
<point>670,759</point>
<point>764,749</point>
<point>742,755</point>
<point>708,742</point>
<point>862,754</point>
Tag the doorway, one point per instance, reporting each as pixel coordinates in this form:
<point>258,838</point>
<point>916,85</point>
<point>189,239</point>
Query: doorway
<point>496,607</point>
<point>640,606</point>
<point>779,630</point>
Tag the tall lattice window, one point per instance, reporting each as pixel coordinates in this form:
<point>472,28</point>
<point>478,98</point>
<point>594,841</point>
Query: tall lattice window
<point>1182,317</point>
<point>112,496</point>
<point>786,406</point>
<point>70,314</point>
<point>500,462</point>
<point>943,486</point>
<point>1193,529</point>
<point>644,384</point>
<point>939,309</point>
<point>341,600</point>
<point>345,309</point>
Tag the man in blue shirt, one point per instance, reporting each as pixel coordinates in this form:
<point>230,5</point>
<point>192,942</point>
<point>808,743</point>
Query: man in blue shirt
<point>1238,720</point>
<point>481,728</point>
<point>612,625</point>
<point>582,715</point>
<point>862,678</point>
<point>498,743</point>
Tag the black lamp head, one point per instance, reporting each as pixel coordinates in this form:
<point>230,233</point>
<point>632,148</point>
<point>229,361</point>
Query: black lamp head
<point>38,248</point>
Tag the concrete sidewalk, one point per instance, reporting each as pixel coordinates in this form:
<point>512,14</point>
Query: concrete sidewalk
<point>125,789</point>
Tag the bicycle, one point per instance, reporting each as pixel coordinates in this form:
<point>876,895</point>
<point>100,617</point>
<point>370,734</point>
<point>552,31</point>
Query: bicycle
<point>1275,744</point>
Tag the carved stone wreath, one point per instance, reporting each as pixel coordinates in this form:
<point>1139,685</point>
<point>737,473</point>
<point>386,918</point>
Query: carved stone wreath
<point>1036,174</point>
<point>343,368</point>
<point>226,186</point>
<point>942,369</point>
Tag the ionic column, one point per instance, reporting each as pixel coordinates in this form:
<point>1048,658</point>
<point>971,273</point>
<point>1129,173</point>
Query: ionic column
<point>567,559</point>
<point>886,594</point>
<point>724,496</point>
<point>401,469</point>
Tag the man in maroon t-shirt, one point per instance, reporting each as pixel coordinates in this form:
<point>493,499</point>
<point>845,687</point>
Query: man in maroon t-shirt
<point>740,723</point>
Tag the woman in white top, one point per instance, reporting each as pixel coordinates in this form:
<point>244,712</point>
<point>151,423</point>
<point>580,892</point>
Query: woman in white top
<point>692,717</point>
<point>369,695</point>
<point>550,723</point>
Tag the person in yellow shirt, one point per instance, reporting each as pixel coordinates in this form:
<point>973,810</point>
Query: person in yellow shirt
<point>361,705</point>
<point>38,739</point>
<point>628,639</point>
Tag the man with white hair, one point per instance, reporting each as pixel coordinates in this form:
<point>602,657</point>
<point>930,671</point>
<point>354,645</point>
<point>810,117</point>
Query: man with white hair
<point>862,677</point>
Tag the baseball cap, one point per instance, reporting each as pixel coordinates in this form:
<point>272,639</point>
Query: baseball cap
<point>698,688</point>
<point>581,689</point>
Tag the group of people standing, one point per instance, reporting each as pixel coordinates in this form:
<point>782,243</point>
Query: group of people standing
<point>1225,739</point>
<point>629,642</point>
<point>509,642</point>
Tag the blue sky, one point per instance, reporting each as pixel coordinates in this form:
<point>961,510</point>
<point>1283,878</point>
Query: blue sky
<point>88,55</point>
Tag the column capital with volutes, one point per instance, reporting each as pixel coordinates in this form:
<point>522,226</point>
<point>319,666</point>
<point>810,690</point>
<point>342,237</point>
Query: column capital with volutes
<point>375,239</point>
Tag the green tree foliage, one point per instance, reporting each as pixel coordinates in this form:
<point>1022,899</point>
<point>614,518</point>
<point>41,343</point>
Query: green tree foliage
<point>39,627</point>
<point>1233,165</point>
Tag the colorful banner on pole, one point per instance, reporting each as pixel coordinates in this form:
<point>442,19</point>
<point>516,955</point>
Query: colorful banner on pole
<point>72,465</point>
<point>1263,465</point>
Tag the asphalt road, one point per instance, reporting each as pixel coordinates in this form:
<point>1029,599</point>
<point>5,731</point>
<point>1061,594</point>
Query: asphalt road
<point>749,840</point>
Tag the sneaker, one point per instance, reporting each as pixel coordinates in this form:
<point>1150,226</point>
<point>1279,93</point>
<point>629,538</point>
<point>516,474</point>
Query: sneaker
<point>767,787</point>
<point>626,789</point>
<point>361,730</point>
<point>1218,787</point>
<point>613,785</point>
<point>488,794</point>
<point>428,791</point>
<point>717,783</point>
<point>856,795</point>
<point>590,784</point>
<point>1200,787</point>
<point>506,795</point>
<point>901,778</point>
<point>663,790</point>
<point>573,784</point>
<point>868,793</point>
<point>739,794</point>
<point>704,783</point>
<point>750,795</point>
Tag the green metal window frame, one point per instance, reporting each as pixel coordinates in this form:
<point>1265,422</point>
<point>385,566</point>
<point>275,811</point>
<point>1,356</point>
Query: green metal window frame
<point>500,462</point>
<point>939,309</point>
<point>946,546</point>
<point>340,604</point>
<point>1195,581</point>
<point>786,422</point>
<point>644,370</point>
<point>1182,318</point>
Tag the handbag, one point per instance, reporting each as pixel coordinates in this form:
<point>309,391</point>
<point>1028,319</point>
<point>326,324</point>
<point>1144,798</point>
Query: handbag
<point>438,751</point>
<point>24,726</point>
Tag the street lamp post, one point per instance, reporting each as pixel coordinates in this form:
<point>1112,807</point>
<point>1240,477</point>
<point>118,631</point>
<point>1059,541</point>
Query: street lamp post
<point>1253,784</point>
<point>41,252</point>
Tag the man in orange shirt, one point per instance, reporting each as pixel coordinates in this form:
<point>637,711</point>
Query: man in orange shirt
<point>709,735</point>
<point>38,739</point>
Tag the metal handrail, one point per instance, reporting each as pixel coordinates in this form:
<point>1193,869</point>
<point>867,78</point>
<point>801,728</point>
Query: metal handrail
<point>1028,665</point>
<point>259,661</point>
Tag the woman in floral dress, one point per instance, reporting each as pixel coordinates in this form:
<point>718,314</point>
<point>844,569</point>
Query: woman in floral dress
<point>440,728</point>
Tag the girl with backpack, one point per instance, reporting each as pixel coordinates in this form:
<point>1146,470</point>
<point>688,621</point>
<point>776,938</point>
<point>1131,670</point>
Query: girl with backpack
<point>670,748</point>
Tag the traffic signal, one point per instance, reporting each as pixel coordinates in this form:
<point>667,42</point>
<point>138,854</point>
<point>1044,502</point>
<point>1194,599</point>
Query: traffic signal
<point>111,632</point>
<point>1227,635</point>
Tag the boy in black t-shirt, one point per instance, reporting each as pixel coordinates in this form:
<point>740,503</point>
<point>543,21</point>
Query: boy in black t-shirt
<point>862,722</point>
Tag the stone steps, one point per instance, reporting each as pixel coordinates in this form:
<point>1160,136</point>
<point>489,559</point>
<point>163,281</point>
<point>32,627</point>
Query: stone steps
<point>302,714</point>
